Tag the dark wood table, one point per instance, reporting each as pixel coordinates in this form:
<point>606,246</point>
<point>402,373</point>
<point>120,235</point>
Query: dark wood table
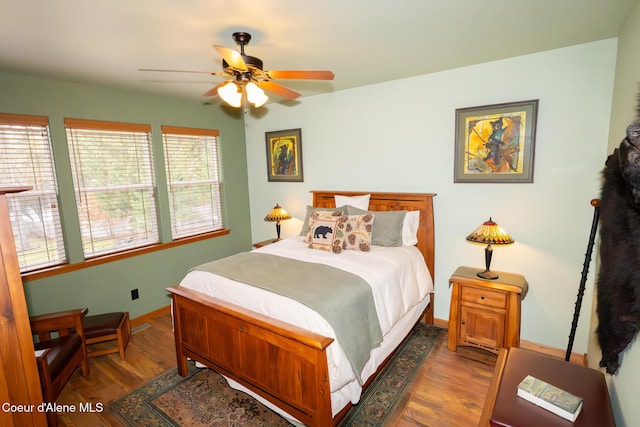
<point>504,408</point>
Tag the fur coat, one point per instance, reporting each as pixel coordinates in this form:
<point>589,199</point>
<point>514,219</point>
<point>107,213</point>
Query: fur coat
<point>618,282</point>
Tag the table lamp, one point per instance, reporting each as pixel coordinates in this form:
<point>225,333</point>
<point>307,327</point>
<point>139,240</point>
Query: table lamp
<point>276,215</point>
<point>489,233</point>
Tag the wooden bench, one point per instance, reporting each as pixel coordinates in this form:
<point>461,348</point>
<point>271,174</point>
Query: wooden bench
<point>107,327</point>
<point>503,407</point>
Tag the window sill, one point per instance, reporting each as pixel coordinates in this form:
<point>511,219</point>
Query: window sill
<point>67,268</point>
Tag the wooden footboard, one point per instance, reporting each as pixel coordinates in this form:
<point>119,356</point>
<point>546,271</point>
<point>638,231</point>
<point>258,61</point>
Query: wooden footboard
<point>284,364</point>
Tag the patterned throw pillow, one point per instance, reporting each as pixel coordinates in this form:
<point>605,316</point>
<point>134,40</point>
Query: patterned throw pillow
<point>356,232</point>
<point>305,224</point>
<point>333,232</point>
<point>323,231</point>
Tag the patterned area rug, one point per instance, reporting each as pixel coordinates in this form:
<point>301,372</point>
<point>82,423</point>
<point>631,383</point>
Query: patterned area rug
<point>204,398</point>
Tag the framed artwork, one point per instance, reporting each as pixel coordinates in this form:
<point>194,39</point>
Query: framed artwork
<point>495,143</point>
<point>284,155</point>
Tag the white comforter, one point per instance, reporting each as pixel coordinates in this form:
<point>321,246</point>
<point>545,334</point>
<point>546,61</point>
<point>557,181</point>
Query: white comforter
<point>398,277</point>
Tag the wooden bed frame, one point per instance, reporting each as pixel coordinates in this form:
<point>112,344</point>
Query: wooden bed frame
<point>284,364</point>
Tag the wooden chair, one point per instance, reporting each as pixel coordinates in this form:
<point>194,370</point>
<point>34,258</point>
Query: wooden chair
<point>60,349</point>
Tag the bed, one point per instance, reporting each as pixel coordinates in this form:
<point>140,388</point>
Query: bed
<point>300,370</point>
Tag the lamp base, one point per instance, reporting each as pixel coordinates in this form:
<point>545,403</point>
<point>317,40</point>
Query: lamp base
<point>489,275</point>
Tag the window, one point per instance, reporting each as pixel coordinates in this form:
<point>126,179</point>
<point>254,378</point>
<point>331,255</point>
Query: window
<point>113,179</point>
<point>193,175</point>
<point>26,160</point>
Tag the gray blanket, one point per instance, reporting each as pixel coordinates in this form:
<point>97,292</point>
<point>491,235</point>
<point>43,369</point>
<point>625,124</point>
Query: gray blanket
<point>344,299</point>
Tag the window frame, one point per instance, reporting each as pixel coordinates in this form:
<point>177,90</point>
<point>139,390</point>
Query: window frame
<point>211,216</point>
<point>112,235</point>
<point>43,197</point>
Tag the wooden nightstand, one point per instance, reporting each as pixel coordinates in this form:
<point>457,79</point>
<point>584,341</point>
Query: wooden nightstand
<point>485,313</point>
<point>264,243</point>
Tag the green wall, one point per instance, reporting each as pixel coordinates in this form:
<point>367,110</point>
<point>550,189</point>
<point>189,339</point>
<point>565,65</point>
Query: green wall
<point>107,287</point>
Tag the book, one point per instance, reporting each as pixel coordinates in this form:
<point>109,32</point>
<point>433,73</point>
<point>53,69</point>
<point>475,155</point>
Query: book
<point>550,397</point>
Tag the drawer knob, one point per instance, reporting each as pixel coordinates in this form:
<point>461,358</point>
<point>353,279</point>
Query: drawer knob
<point>482,297</point>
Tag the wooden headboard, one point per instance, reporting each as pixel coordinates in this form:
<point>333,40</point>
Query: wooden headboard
<point>422,202</point>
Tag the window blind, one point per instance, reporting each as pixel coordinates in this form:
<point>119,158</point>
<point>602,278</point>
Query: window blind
<point>113,179</point>
<point>26,160</point>
<point>193,176</point>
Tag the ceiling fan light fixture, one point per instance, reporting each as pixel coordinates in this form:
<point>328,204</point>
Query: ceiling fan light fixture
<point>230,94</point>
<point>255,95</point>
<point>245,71</point>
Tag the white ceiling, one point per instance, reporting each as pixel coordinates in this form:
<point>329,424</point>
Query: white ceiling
<point>363,42</point>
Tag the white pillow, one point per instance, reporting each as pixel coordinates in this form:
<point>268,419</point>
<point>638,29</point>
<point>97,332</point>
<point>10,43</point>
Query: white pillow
<point>410,228</point>
<point>360,202</point>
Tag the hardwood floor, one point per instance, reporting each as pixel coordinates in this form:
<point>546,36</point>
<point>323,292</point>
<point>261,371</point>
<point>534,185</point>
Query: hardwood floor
<point>452,390</point>
<point>449,389</point>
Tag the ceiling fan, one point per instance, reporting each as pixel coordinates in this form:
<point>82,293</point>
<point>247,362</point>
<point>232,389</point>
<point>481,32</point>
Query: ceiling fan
<point>248,78</point>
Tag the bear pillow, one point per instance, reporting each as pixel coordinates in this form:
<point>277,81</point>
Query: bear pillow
<point>323,231</point>
<point>335,233</point>
<point>305,224</point>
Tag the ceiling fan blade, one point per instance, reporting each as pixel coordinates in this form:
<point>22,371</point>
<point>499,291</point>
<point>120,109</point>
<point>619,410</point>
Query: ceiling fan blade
<point>278,89</point>
<point>214,91</point>
<point>213,73</point>
<point>233,58</point>
<point>301,74</point>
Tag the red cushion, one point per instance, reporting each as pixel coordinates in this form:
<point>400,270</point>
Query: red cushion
<point>61,350</point>
<point>101,324</point>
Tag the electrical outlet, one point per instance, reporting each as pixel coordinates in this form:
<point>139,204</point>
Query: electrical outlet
<point>134,294</point>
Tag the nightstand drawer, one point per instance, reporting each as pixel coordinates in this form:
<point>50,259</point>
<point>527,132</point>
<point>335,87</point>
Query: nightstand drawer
<point>486,297</point>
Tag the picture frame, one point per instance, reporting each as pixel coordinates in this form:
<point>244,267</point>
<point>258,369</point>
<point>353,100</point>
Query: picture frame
<point>284,155</point>
<point>496,143</point>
